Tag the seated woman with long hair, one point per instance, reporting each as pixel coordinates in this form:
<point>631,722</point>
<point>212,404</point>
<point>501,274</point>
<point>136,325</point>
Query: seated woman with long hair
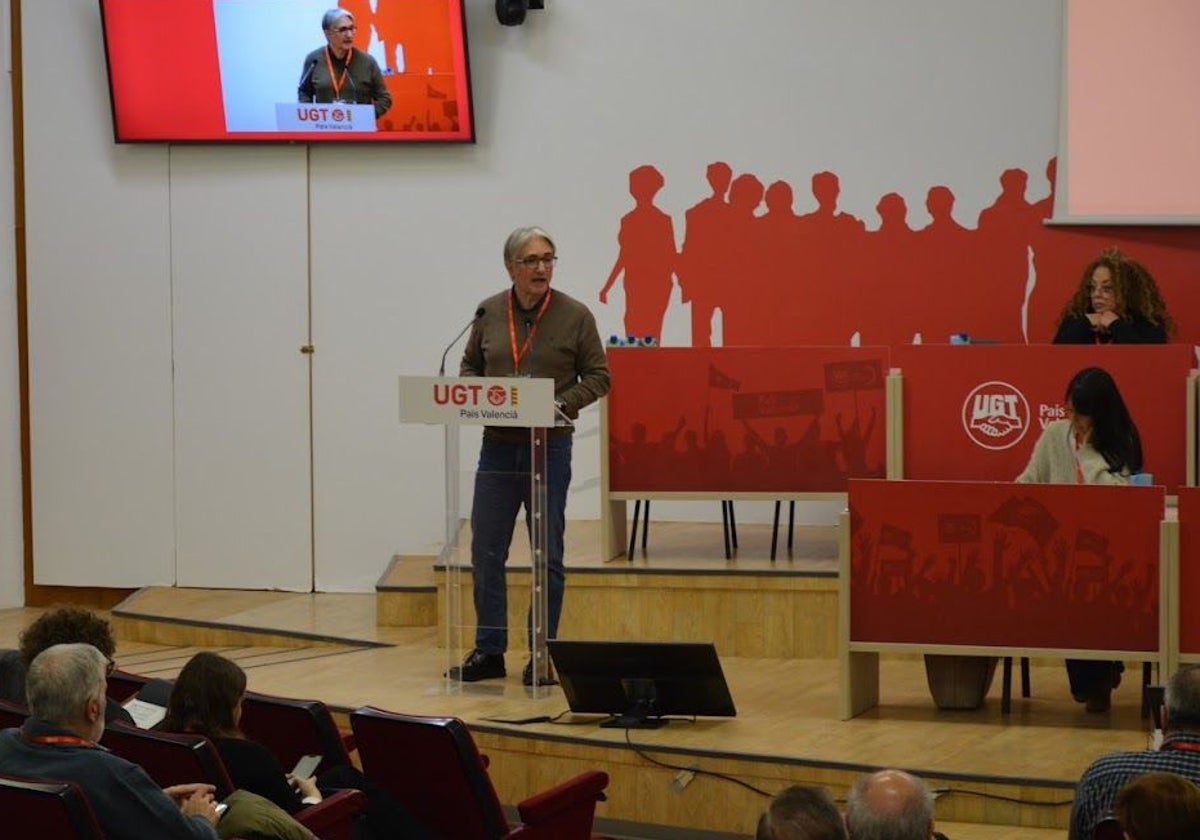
<point>1097,443</point>
<point>206,699</point>
<point>1117,302</point>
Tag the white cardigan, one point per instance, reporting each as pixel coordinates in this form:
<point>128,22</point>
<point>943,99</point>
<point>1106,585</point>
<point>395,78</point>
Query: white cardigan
<point>1054,459</point>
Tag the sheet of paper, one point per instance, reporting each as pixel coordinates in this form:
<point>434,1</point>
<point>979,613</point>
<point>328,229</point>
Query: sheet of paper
<point>144,714</point>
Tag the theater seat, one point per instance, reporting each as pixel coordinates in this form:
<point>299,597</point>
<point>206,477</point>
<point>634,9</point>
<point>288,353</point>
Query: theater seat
<point>292,728</point>
<point>122,685</point>
<point>12,715</point>
<point>174,759</point>
<point>432,766</point>
<point>43,808</point>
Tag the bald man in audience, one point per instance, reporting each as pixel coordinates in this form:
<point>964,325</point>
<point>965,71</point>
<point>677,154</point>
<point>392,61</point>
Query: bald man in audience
<point>65,687</point>
<point>801,812</point>
<point>890,805</point>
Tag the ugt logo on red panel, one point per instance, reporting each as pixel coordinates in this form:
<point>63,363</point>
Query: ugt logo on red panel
<point>995,415</point>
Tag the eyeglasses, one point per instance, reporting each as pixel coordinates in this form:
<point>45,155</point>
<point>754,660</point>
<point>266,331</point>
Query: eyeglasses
<point>1104,289</point>
<point>532,262</point>
<point>109,667</point>
<point>342,30</point>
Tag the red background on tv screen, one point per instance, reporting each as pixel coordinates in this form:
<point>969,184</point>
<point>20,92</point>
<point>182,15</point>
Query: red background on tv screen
<point>162,62</point>
<point>164,68</point>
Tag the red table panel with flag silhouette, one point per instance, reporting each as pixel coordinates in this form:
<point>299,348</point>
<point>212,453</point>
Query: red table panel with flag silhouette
<point>735,420</point>
<point>974,413</point>
<point>1015,566</point>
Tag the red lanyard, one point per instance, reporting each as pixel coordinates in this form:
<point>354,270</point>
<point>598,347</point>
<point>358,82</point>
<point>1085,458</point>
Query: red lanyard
<point>512,330</point>
<point>337,83</point>
<point>1079,479</point>
<point>65,740</point>
<point>1186,746</point>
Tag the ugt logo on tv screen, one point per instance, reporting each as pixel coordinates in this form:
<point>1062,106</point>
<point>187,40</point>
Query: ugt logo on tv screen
<point>995,415</point>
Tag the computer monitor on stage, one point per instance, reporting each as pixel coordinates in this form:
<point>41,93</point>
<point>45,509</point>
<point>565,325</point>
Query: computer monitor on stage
<point>641,683</point>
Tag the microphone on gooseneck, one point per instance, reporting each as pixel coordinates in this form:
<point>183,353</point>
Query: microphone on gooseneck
<point>304,80</point>
<point>478,314</point>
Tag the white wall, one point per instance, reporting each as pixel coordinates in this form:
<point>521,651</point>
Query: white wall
<point>12,575</point>
<point>406,240</point>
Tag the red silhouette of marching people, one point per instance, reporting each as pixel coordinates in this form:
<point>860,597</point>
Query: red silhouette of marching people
<point>754,272</point>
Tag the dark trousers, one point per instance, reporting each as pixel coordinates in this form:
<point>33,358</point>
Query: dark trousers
<point>1092,677</point>
<point>502,485</point>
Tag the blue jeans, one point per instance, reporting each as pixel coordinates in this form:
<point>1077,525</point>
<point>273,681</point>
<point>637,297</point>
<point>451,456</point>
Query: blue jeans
<point>501,488</point>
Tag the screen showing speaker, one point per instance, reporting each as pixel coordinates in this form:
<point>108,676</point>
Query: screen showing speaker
<point>277,71</point>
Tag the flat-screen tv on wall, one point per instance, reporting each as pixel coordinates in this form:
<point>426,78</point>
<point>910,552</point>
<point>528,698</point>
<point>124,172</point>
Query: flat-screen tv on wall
<point>271,71</point>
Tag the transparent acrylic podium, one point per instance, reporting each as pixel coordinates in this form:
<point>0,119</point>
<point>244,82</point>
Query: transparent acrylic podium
<point>527,406</point>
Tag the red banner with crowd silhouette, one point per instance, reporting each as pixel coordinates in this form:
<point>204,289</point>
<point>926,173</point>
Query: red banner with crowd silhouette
<point>974,413</point>
<point>793,419</point>
<point>1005,565</point>
<point>779,277</point>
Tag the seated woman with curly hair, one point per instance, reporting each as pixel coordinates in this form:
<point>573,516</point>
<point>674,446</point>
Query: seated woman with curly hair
<point>1117,302</point>
<point>206,699</point>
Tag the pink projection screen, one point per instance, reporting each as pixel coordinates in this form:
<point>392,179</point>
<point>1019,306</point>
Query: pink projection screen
<point>1130,113</point>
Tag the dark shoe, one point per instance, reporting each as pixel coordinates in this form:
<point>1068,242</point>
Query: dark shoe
<point>479,666</point>
<point>547,678</point>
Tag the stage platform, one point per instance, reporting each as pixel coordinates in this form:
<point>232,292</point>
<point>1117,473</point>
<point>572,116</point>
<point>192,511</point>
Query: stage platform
<point>1000,777</point>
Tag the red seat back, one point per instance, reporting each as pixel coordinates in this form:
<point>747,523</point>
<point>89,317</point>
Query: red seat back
<point>432,766</point>
<point>169,758</point>
<point>12,715</point>
<point>291,728</point>
<point>41,808</point>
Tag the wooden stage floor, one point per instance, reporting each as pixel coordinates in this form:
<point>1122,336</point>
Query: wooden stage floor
<point>330,646</point>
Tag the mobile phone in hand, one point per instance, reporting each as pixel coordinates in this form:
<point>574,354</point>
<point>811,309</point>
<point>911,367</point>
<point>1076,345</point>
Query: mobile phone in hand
<point>306,766</point>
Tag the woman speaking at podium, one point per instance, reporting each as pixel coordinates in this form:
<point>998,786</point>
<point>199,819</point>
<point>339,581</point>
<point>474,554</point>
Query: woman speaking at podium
<point>526,330</point>
<point>337,72</point>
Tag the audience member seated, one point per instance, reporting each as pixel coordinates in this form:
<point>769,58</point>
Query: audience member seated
<point>890,805</point>
<point>1117,302</point>
<point>1097,443</point>
<point>65,625</point>
<point>65,685</point>
<point>1159,806</point>
<point>801,812</point>
<point>1096,793</point>
<point>206,699</point>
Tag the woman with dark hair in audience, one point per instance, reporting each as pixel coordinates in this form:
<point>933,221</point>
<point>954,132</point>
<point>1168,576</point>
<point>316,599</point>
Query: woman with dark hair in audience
<point>1159,806</point>
<point>1117,302</point>
<point>1097,443</point>
<point>206,699</point>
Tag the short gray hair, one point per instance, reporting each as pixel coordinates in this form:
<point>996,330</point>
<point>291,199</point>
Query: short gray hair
<point>801,812</point>
<point>60,681</point>
<point>333,16</point>
<point>1182,699</point>
<point>908,816</point>
<point>520,237</point>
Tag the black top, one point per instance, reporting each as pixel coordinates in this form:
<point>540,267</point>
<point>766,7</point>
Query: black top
<point>255,768</point>
<point>1077,329</point>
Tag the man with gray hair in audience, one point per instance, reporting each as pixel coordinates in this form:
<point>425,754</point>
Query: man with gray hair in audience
<point>65,687</point>
<point>890,805</point>
<point>801,812</point>
<point>1180,754</point>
